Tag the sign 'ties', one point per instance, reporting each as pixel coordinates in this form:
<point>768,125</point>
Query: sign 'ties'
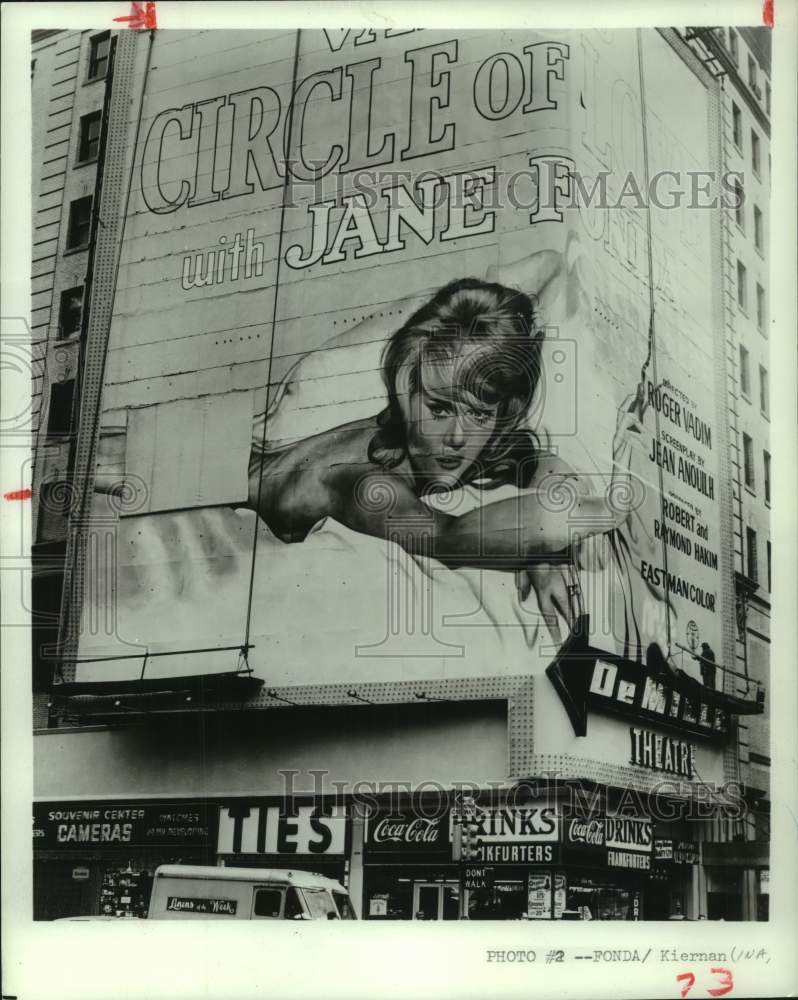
<point>246,829</point>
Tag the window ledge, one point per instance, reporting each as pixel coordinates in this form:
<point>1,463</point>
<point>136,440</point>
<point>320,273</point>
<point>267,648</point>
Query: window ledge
<point>85,163</point>
<point>73,250</point>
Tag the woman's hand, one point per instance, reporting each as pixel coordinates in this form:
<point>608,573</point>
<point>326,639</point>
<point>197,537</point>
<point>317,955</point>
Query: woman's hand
<point>628,428</point>
<point>555,594</point>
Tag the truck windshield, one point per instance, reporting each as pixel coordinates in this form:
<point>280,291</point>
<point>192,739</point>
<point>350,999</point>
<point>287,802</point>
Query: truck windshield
<point>319,904</point>
<point>345,909</point>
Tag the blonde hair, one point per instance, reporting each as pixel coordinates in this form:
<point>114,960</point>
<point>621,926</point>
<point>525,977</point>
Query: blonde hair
<point>501,368</point>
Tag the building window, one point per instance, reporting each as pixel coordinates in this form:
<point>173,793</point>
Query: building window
<point>89,137</point>
<point>766,462</point>
<point>742,282</point>
<point>739,212</point>
<point>755,153</point>
<point>751,567</point>
<point>752,73</point>
<point>764,391</point>
<point>70,312</point>
<point>769,576</point>
<point>748,461</point>
<point>99,47</point>
<point>734,46</point>
<point>767,98</point>
<point>745,372</point>
<point>79,224</point>
<point>757,228</point>
<point>59,419</point>
<point>761,319</point>
<point>56,497</point>
<point>737,127</point>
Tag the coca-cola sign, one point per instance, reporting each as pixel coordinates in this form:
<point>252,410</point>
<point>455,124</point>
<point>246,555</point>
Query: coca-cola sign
<point>403,831</point>
<point>589,832</point>
<point>406,833</point>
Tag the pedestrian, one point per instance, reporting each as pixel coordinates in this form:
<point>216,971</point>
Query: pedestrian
<point>707,661</point>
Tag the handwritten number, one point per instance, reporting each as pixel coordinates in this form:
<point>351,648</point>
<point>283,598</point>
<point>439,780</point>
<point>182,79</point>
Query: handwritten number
<point>727,982</point>
<point>726,979</point>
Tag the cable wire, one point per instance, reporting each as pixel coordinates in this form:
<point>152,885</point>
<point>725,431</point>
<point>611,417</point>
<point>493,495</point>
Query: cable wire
<point>651,357</point>
<point>286,182</point>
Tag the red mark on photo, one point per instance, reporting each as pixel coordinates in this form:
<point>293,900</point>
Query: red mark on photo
<point>767,13</point>
<point>141,17</point>
<point>724,975</point>
<point>18,495</point>
<point>727,982</point>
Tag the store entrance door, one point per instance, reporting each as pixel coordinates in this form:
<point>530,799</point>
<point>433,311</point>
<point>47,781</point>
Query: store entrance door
<point>436,901</point>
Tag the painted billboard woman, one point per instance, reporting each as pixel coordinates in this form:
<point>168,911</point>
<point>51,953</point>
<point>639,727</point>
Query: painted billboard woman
<point>379,442</point>
<point>460,377</point>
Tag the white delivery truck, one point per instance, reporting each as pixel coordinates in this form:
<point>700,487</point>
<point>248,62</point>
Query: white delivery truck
<point>200,892</point>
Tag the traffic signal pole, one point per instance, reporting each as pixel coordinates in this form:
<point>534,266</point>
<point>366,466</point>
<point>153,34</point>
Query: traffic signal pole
<point>465,847</point>
<point>457,855</point>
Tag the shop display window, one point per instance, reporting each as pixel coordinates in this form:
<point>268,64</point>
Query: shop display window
<point>436,901</point>
<point>724,894</point>
<point>411,897</point>
<point>57,893</point>
<point>504,900</point>
<point>390,899</point>
<point>763,896</point>
<point>125,893</point>
<point>596,899</point>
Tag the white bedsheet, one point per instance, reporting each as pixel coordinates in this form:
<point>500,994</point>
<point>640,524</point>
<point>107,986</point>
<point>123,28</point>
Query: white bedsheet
<point>340,607</point>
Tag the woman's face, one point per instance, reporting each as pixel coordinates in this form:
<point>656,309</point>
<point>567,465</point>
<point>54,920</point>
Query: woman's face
<point>448,428</point>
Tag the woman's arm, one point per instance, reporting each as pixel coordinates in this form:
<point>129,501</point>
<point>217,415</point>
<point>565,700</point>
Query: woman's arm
<point>542,524</point>
<point>505,535</point>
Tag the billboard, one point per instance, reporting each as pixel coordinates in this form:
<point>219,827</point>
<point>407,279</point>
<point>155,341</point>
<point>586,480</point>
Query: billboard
<point>412,359</point>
